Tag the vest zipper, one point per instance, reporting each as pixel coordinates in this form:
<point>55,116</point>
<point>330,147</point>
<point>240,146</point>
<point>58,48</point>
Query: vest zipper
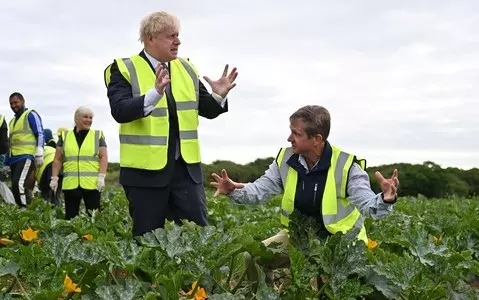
<point>314,197</point>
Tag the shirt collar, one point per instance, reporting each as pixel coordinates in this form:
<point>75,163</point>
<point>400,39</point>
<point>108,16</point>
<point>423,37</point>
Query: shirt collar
<point>154,62</point>
<point>323,163</point>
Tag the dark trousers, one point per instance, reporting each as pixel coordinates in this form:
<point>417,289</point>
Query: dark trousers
<point>181,199</point>
<point>23,181</point>
<point>73,200</point>
<point>44,186</point>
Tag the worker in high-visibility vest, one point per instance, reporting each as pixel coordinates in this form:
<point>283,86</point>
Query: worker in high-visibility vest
<point>316,178</point>
<point>160,157</point>
<point>82,153</point>
<point>43,174</point>
<point>26,149</point>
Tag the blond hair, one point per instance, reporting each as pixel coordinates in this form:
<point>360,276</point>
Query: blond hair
<point>155,23</point>
<point>81,111</point>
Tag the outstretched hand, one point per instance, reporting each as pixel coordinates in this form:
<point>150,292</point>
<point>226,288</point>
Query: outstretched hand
<point>226,82</point>
<point>224,185</point>
<point>389,186</point>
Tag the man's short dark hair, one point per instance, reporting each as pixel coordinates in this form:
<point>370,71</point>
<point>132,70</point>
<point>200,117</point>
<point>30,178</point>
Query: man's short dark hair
<point>16,94</point>
<point>316,120</point>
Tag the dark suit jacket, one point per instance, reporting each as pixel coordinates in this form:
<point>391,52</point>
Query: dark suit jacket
<point>126,108</point>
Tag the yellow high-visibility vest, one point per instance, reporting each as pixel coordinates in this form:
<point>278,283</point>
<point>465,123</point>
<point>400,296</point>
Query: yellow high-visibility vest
<point>144,142</point>
<point>81,165</point>
<point>48,156</point>
<point>22,139</point>
<point>2,118</point>
<point>338,214</point>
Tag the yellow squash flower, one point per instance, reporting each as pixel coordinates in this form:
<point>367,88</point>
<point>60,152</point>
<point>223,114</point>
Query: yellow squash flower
<point>88,237</point>
<point>70,287</point>
<point>200,292</point>
<point>29,234</point>
<point>372,244</point>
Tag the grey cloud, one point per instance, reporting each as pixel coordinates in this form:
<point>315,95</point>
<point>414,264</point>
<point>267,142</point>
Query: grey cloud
<point>408,68</point>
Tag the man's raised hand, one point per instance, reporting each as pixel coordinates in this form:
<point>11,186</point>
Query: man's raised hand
<point>224,185</point>
<point>226,82</point>
<point>389,186</point>
<point>162,79</point>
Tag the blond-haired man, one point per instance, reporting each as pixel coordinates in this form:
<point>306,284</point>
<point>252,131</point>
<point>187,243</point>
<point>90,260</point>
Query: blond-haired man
<point>157,97</point>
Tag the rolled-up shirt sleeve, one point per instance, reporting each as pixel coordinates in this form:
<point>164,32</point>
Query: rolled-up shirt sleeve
<point>363,198</point>
<point>262,189</point>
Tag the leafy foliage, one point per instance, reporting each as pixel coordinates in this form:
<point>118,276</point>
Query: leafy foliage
<point>426,249</point>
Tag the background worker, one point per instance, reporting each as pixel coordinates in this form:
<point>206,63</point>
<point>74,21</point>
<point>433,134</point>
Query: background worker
<point>43,174</point>
<point>160,161</point>
<point>49,140</point>
<point>83,155</point>
<point>60,132</point>
<point>26,149</point>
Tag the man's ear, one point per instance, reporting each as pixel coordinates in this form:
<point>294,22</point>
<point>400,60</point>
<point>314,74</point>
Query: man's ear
<point>319,138</point>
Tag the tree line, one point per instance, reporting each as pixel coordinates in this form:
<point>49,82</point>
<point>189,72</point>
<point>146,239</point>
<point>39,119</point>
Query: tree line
<point>428,179</point>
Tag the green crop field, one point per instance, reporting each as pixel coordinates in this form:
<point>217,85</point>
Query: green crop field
<point>426,249</point>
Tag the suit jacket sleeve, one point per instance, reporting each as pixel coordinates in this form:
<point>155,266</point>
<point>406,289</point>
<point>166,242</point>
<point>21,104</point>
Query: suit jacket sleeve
<point>124,107</point>
<point>208,107</point>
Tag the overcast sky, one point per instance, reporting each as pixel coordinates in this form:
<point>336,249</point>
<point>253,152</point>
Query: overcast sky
<point>399,79</point>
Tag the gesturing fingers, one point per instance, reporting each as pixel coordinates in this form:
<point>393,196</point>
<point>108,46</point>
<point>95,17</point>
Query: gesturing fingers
<point>214,184</point>
<point>225,71</point>
<point>216,177</point>
<point>232,76</point>
<point>396,182</point>
<point>224,174</point>
<point>160,70</point>
<point>379,177</point>
<point>395,173</point>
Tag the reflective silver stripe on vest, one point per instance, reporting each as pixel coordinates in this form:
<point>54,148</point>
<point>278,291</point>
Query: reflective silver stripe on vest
<point>193,76</point>
<point>135,84</point>
<point>189,135</point>
<point>81,158</point>
<point>22,143</point>
<point>187,105</point>
<point>343,213</point>
<point>283,167</point>
<point>97,142</point>
<point>285,213</point>
<point>159,112</point>
<point>338,174</point>
<point>143,140</point>
<point>20,132</point>
<point>80,174</point>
